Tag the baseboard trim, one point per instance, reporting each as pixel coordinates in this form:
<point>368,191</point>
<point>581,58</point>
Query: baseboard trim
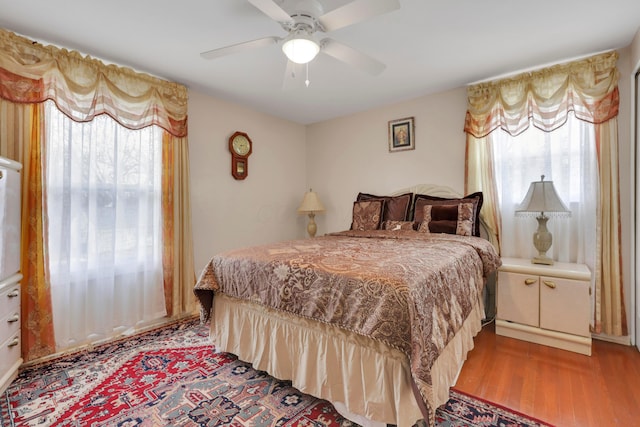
<point>155,324</point>
<point>624,340</point>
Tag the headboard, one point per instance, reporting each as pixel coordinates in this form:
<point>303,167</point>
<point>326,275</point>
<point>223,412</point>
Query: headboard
<point>430,189</point>
<point>441,191</point>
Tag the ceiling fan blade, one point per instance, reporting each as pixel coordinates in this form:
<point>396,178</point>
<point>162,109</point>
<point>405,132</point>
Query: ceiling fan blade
<point>294,76</point>
<point>352,57</point>
<point>356,11</point>
<point>272,10</point>
<point>240,47</point>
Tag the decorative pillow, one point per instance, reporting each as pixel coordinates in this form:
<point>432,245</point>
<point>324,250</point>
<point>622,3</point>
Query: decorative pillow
<point>439,219</point>
<point>450,219</point>
<point>464,227</point>
<point>396,208</point>
<point>426,219</point>
<point>398,225</point>
<point>367,215</point>
<point>422,200</point>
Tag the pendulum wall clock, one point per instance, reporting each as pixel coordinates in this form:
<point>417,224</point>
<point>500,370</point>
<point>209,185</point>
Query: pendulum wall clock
<point>240,146</point>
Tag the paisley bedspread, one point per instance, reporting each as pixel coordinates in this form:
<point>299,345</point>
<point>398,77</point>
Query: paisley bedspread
<point>409,290</point>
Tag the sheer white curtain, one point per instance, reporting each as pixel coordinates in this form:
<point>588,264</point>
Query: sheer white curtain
<point>567,156</point>
<point>104,239</point>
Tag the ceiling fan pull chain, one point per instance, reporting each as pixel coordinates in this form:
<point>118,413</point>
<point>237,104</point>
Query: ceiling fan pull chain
<point>306,82</point>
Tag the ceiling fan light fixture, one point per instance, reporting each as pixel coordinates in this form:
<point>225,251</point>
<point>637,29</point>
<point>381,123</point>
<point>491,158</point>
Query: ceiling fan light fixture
<point>300,48</point>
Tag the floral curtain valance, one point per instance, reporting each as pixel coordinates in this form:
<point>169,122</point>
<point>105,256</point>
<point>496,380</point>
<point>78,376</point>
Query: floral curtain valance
<point>587,87</point>
<point>84,87</point>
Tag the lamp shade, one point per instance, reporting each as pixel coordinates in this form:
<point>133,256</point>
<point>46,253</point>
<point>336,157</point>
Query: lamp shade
<point>542,197</point>
<point>311,203</point>
<point>300,48</point>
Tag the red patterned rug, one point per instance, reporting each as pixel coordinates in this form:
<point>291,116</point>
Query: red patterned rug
<point>173,377</point>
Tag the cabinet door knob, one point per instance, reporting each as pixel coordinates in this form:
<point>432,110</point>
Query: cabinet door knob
<point>550,284</point>
<point>529,282</point>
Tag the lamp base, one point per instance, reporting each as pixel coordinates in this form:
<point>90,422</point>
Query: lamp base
<point>311,226</point>
<point>542,260</point>
<point>542,240</point>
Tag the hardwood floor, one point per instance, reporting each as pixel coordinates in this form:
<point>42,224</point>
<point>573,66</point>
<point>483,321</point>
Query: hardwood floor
<point>555,386</point>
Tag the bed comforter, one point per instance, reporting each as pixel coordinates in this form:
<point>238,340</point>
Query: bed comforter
<point>409,290</point>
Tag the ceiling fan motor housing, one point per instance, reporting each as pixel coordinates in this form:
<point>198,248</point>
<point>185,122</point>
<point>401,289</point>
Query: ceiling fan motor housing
<point>304,14</point>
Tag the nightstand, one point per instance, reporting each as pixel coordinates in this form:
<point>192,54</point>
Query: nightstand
<point>545,304</point>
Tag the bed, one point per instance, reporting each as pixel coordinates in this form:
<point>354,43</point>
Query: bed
<point>377,319</point>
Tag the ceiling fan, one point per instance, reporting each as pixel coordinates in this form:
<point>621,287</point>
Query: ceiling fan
<point>305,19</point>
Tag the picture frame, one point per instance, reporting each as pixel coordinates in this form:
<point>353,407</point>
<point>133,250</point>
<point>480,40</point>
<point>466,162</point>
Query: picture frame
<point>401,134</point>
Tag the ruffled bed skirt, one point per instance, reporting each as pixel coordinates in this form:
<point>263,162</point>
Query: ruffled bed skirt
<point>362,377</point>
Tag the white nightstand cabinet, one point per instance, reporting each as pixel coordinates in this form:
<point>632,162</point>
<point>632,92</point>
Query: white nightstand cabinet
<point>545,304</point>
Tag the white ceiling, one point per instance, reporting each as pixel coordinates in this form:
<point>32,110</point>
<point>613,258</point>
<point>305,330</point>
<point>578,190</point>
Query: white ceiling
<point>428,46</point>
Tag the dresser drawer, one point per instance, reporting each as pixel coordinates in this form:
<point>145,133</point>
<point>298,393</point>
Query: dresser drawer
<point>10,299</point>
<point>9,325</point>
<point>9,352</point>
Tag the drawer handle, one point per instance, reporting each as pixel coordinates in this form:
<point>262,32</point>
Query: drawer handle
<point>14,342</point>
<point>549,284</point>
<point>529,282</point>
<point>14,293</point>
<point>13,319</point>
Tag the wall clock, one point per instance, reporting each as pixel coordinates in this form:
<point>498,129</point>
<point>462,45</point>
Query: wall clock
<point>240,146</point>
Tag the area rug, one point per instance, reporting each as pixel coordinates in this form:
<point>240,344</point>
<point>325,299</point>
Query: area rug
<point>172,376</point>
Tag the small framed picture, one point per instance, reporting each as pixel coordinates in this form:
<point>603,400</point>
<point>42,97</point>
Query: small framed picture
<point>401,134</point>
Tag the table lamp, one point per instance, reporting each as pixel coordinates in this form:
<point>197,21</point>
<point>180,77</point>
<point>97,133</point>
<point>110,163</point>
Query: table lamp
<point>542,197</point>
<point>311,205</point>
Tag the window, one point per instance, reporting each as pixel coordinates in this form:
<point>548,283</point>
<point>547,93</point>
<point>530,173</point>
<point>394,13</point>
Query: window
<point>104,239</point>
<point>566,156</point>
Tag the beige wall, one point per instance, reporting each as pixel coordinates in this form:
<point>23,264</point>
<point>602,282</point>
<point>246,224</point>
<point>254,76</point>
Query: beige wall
<point>351,154</point>
<point>635,50</point>
<point>262,208</point>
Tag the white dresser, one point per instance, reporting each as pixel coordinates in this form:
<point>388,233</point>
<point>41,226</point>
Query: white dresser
<point>10,349</point>
<point>545,304</point>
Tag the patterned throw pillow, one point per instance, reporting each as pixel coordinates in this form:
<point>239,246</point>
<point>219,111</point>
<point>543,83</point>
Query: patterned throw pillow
<point>422,200</point>
<point>396,208</point>
<point>398,225</point>
<point>464,227</point>
<point>367,215</point>
<point>450,219</point>
<point>426,219</point>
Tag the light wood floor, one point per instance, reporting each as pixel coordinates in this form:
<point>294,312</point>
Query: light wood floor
<point>556,386</point>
